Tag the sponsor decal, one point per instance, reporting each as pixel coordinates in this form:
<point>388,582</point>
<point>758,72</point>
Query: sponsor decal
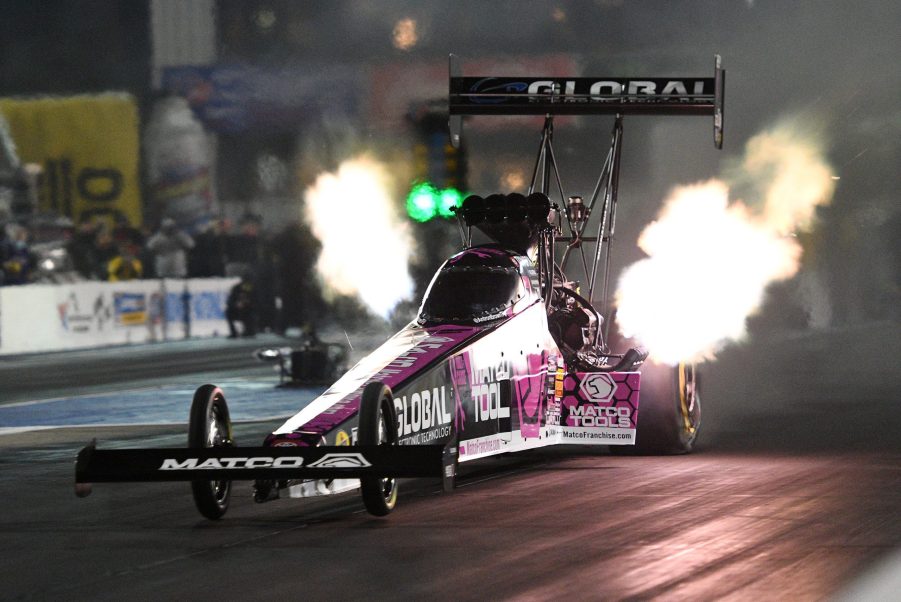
<point>600,435</point>
<point>488,85</point>
<point>552,415</point>
<point>600,400</point>
<point>342,438</point>
<point>330,460</point>
<point>84,317</point>
<point>590,414</point>
<point>586,90</point>
<point>130,308</point>
<point>597,387</point>
<point>242,463</point>
<point>600,91</point>
<point>89,147</point>
<point>409,358</point>
<point>486,392</point>
<point>496,316</point>
<point>427,437</point>
<point>422,411</point>
<point>459,366</point>
<point>341,460</point>
<point>532,391</point>
<point>208,305</point>
<point>481,447</point>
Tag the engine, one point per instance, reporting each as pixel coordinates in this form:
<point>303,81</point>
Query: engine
<point>573,323</point>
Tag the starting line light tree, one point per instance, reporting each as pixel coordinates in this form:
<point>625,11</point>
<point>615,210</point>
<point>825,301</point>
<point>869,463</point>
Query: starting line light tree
<point>439,168</point>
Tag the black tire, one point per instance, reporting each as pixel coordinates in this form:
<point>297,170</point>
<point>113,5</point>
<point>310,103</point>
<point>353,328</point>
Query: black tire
<point>669,411</point>
<point>210,426</point>
<point>377,426</point>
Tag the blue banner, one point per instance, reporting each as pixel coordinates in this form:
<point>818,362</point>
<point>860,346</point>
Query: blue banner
<point>238,98</point>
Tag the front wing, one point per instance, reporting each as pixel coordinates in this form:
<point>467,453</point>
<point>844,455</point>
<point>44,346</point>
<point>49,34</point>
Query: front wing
<point>250,463</point>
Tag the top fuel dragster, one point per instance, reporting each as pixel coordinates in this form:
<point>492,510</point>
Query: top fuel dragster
<point>506,354</point>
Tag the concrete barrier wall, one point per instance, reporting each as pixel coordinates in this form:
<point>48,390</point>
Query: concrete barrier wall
<point>52,317</point>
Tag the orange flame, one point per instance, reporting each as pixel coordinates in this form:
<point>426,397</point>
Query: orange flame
<point>710,260</point>
<point>366,245</point>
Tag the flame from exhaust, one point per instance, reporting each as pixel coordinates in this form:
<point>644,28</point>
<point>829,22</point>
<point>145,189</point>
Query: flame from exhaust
<point>710,260</point>
<point>366,245</point>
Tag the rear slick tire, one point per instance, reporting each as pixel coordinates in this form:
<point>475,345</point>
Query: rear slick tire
<point>210,426</point>
<point>377,426</point>
<point>669,411</point>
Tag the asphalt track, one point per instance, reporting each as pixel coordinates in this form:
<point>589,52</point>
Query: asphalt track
<point>794,495</point>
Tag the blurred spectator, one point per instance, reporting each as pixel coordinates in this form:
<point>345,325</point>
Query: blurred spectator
<point>169,247</point>
<point>244,250</point>
<point>296,251</point>
<point>124,232</point>
<point>4,248</point>
<point>207,258</point>
<point>16,259</point>
<point>146,255</point>
<point>82,250</point>
<point>268,300</point>
<point>105,250</point>
<point>125,265</point>
<point>241,307</point>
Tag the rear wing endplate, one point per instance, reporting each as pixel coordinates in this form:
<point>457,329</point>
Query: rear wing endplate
<point>585,96</point>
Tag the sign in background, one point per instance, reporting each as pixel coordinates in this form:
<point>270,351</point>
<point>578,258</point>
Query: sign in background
<point>237,98</point>
<point>88,147</point>
<point>51,317</point>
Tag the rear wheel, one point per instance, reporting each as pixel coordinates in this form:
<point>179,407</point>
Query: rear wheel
<point>378,426</point>
<point>669,410</point>
<point>210,426</point>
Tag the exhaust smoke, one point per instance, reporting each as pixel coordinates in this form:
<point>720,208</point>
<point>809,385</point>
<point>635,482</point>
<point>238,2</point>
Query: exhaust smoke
<point>710,258</point>
<point>366,245</point>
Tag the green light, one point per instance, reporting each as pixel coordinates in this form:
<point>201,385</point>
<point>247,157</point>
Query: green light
<point>450,198</point>
<point>422,202</point>
<point>426,202</point>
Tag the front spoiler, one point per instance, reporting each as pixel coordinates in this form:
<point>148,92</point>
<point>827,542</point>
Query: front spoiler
<point>250,463</point>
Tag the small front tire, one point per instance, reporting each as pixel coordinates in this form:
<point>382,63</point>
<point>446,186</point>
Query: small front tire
<point>210,426</point>
<point>377,426</point>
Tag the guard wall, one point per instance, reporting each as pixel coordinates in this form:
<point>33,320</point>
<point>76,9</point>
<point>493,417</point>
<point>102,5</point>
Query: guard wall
<point>56,317</point>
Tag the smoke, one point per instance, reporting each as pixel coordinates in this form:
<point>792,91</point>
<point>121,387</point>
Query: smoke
<point>784,176</point>
<point>711,256</point>
<point>366,245</point>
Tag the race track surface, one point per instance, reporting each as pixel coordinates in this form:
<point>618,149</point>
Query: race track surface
<point>792,496</point>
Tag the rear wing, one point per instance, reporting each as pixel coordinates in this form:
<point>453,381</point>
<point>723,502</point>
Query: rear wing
<point>585,96</point>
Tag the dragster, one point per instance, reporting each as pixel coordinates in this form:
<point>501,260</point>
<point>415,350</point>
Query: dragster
<point>506,354</point>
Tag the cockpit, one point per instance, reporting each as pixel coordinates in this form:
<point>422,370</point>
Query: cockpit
<point>477,286</point>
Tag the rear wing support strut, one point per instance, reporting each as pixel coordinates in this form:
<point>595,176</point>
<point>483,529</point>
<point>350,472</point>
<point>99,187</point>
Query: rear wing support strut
<point>608,184</point>
<point>607,223</point>
<point>551,96</point>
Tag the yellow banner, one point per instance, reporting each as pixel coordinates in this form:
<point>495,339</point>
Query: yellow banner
<point>88,147</point>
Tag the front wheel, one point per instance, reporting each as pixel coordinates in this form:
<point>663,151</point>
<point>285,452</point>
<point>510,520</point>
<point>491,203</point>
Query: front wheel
<point>377,426</point>
<point>669,410</point>
<point>210,426</point>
